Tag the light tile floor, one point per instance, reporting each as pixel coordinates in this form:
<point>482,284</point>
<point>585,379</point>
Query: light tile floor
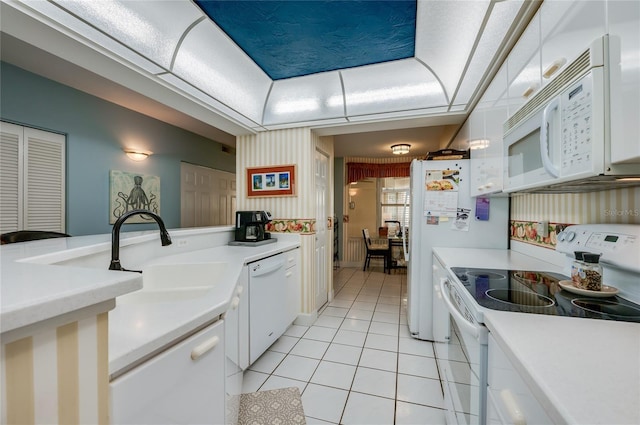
<point>357,364</point>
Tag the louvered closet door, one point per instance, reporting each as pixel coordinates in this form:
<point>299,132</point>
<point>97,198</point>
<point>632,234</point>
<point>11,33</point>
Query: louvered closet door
<point>44,180</point>
<point>10,183</point>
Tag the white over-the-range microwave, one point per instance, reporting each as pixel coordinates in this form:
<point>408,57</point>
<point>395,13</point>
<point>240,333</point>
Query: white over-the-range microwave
<point>571,136</point>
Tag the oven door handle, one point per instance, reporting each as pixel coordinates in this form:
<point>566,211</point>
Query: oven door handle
<point>466,326</point>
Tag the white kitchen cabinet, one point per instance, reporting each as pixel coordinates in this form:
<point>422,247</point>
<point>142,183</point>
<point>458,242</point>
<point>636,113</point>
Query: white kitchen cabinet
<point>292,274</point>
<point>243,319</point>
<point>509,399</point>
<point>523,66</point>
<point>182,385</point>
<point>624,25</point>
<point>233,372</point>
<point>567,30</point>
<point>558,33</point>
<point>486,158</point>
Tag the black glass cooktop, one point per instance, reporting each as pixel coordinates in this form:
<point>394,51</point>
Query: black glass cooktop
<point>539,293</point>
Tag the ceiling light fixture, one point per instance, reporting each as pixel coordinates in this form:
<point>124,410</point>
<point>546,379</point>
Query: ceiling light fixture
<point>400,149</point>
<point>137,155</point>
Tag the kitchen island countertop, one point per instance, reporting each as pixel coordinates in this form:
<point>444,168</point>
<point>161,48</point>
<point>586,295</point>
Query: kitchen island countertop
<point>138,330</point>
<point>46,279</point>
<point>582,371</point>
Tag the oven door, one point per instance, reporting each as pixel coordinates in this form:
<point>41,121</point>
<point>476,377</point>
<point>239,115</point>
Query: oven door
<point>463,361</point>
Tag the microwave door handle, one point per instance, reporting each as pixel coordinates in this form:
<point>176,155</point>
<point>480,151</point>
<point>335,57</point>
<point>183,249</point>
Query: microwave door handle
<point>544,137</point>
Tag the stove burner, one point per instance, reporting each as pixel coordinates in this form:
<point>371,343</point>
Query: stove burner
<point>522,298</point>
<point>610,308</point>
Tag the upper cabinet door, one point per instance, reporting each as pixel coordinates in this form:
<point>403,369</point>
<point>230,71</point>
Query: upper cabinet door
<point>523,66</point>
<point>486,158</point>
<point>624,28</point>
<point>568,28</point>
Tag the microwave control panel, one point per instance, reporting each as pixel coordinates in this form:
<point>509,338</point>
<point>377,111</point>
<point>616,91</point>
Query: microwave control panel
<point>576,117</point>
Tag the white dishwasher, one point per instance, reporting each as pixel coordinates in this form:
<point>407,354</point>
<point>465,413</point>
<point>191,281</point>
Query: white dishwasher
<point>268,316</point>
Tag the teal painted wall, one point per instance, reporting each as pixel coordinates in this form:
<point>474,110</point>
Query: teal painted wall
<point>96,132</point>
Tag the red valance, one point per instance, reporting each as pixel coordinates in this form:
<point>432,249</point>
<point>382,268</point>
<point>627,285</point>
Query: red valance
<point>360,170</point>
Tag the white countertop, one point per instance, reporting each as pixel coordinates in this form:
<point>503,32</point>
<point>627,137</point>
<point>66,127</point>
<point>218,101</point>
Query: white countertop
<point>137,330</point>
<point>582,371</point>
<point>32,292</point>
<point>34,289</point>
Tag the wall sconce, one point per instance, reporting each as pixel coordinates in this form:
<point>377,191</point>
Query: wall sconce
<point>478,144</point>
<point>137,155</point>
<point>400,149</point>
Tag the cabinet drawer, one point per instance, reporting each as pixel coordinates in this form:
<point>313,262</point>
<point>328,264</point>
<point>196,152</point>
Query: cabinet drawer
<point>292,258</point>
<point>512,399</point>
<point>182,385</point>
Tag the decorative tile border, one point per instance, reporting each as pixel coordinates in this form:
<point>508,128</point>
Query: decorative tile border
<point>294,225</point>
<point>526,231</point>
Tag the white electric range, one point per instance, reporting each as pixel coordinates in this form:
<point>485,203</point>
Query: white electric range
<point>498,283</point>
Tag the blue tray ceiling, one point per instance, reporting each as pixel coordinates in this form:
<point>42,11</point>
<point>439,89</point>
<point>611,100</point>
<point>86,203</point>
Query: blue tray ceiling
<point>294,38</point>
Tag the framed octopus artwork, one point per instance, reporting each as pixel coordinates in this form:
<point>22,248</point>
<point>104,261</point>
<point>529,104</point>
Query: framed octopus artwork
<point>133,191</point>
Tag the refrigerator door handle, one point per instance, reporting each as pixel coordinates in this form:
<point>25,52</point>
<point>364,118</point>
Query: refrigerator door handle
<point>405,242</point>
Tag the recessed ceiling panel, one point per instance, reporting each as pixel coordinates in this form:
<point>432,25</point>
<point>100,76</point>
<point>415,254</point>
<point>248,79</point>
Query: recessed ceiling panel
<point>391,87</point>
<point>448,30</point>
<point>294,38</point>
<point>141,25</point>
<point>212,63</point>
<point>490,40</point>
<point>307,98</point>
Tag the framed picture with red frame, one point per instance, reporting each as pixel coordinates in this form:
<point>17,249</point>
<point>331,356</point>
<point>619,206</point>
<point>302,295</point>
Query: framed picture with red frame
<point>271,181</point>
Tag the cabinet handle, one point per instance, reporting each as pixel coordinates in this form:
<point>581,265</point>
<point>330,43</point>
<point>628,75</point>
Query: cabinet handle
<point>515,413</point>
<point>289,274</point>
<point>554,67</point>
<point>235,302</point>
<point>291,259</point>
<point>529,90</point>
<point>201,349</point>
<point>239,290</point>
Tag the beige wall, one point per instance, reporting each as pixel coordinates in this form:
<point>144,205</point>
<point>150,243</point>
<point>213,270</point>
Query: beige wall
<point>281,147</point>
<point>363,194</point>
<point>606,206</point>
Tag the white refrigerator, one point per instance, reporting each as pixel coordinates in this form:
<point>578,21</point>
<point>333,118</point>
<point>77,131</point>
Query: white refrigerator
<point>443,214</point>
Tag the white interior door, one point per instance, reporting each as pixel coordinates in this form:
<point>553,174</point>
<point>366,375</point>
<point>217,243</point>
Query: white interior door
<point>208,196</point>
<point>322,168</point>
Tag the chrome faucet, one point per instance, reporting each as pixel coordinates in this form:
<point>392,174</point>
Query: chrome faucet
<point>115,236</point>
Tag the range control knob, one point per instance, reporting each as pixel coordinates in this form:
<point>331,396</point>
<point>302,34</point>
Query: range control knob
<point>561,236</point>
<point>570,236</point>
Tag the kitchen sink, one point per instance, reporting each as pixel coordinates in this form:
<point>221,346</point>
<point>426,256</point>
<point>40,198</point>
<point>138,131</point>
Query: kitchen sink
<point>182,275</point>
<point>153,296</point>
<point>175,282</point>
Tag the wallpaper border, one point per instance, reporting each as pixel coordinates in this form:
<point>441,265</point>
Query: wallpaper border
<point>526,231</point>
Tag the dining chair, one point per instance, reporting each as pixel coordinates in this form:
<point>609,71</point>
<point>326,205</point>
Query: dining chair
<point>377,250</point>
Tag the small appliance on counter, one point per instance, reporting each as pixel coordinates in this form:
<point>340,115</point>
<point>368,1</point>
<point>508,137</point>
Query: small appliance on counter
<point>251,228</point>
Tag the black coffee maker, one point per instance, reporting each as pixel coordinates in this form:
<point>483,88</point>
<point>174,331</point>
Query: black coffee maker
<point>250,226</point>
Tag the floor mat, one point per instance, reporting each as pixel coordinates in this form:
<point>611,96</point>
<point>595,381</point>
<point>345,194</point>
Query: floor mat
<point>274,407</point>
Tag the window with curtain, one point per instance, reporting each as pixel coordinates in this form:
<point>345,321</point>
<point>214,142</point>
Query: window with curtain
<point>394,191</point>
